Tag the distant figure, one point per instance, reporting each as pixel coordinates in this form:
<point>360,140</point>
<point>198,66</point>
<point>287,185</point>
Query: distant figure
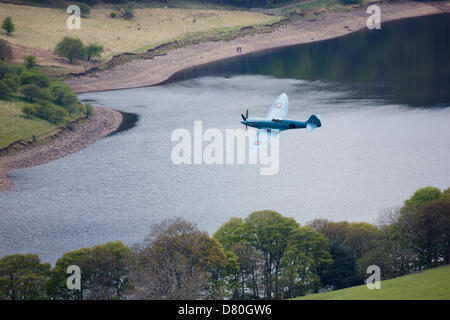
<point>239,49</point>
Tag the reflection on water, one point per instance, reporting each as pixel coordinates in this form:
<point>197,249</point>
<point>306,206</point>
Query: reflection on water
<point>407,61</point>
<point>371,153</point>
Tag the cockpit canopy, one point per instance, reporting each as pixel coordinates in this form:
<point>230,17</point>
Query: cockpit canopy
<point>276,120</point>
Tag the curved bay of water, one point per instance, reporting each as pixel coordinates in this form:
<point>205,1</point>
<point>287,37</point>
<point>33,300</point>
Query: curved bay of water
<point>370,155</point>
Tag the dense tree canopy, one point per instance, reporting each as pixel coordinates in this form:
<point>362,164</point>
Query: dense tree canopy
<point>104,272</point>
<point>23,277</point>
<point>70,48</point>
<point>264,256</point>
<point>178,261</point>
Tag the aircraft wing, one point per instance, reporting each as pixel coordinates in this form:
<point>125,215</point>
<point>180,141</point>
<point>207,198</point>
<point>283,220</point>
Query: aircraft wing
<point>262,138</point>
<point>279,108</point>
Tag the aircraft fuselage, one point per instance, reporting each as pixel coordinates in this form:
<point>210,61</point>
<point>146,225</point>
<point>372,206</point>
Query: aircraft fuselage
<point>285,124</point>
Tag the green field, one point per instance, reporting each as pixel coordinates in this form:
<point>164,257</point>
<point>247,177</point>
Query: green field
<point>433,284</point>
<point>14,126</point>
<point>42,28</point>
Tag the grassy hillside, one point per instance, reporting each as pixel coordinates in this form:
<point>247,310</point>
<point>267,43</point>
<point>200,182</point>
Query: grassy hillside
<point>433,284</point>
<point>14,126</point>
<point>44,27</point>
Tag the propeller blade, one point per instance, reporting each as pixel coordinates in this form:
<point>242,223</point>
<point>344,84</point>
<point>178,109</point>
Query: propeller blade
<point>246,114</point>
<point>243,117</point>
<point>311,127</point>
<point>246,127</point>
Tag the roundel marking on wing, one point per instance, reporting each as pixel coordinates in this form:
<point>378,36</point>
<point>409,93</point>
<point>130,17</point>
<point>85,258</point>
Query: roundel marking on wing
<point>278,105</point>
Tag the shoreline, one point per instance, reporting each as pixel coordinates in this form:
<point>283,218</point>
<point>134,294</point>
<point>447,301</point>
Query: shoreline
<point>160,69</point>
<point>103,122</point>
<point>150,72</point>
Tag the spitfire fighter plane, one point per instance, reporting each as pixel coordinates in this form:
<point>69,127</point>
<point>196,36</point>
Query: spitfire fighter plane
<point>275,122</point>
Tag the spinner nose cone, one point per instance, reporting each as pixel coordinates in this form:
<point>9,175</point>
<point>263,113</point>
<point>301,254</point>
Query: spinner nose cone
<point>244,122</point>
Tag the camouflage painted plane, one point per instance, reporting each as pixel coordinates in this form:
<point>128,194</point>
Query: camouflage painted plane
<point>275,122</point>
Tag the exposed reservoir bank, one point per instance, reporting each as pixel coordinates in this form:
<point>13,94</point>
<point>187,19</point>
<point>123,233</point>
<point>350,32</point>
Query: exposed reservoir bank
<point>141,73</point>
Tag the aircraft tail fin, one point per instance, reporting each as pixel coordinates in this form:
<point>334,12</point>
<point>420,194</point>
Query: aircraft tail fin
<point>313,122</point>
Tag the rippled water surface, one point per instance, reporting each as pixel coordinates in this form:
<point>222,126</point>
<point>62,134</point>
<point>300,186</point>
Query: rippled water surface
<point>370,155</point>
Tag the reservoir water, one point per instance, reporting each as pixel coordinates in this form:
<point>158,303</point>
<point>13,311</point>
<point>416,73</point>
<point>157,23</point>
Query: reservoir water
<point>385,133</point>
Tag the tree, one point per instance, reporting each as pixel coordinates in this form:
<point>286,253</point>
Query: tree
<point>62,94</point>
<point>48,111</point>
<point>246,265</point>
<point>178,261</point>
<point>434,225</point>
<point>342,272</point>
<point>5,90</point>
<point>5,50</point>
<point>5,69</point>
<point>8,25</point>
<point>420,198</point>
<point>23,277</point>
<point>12,82</point>
<point>105,269</point>
<point>93,50</point>
<point>422,220</point>
<point>268,233</point>
<point>35,77</point>
<point>31,92</point>
<point>70,48</point>
<point>306,258</point>
<point>57,287</point>
<point>359,236</point>
<point>104,272</point>
<point>30,62</point>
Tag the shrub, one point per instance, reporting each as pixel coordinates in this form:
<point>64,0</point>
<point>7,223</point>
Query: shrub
<point>29,62</point>
<point>5,69</point>
<point>5,50</point>
<point>85,9</point>
<point>74,108</point>
<point>57,116</point>
<point>5,90</point>
<point>47,111</point>
<point>113,15</point>
<point>62,94</point>
<point>89,109</point>
<point>93,50</point>
<point>8,25</point>
<point>31,92</point>
<point>12,82</point>
<point>38,78</point>
<point>70,48</point>
<point>127,13</point>
<point>29,111</point>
